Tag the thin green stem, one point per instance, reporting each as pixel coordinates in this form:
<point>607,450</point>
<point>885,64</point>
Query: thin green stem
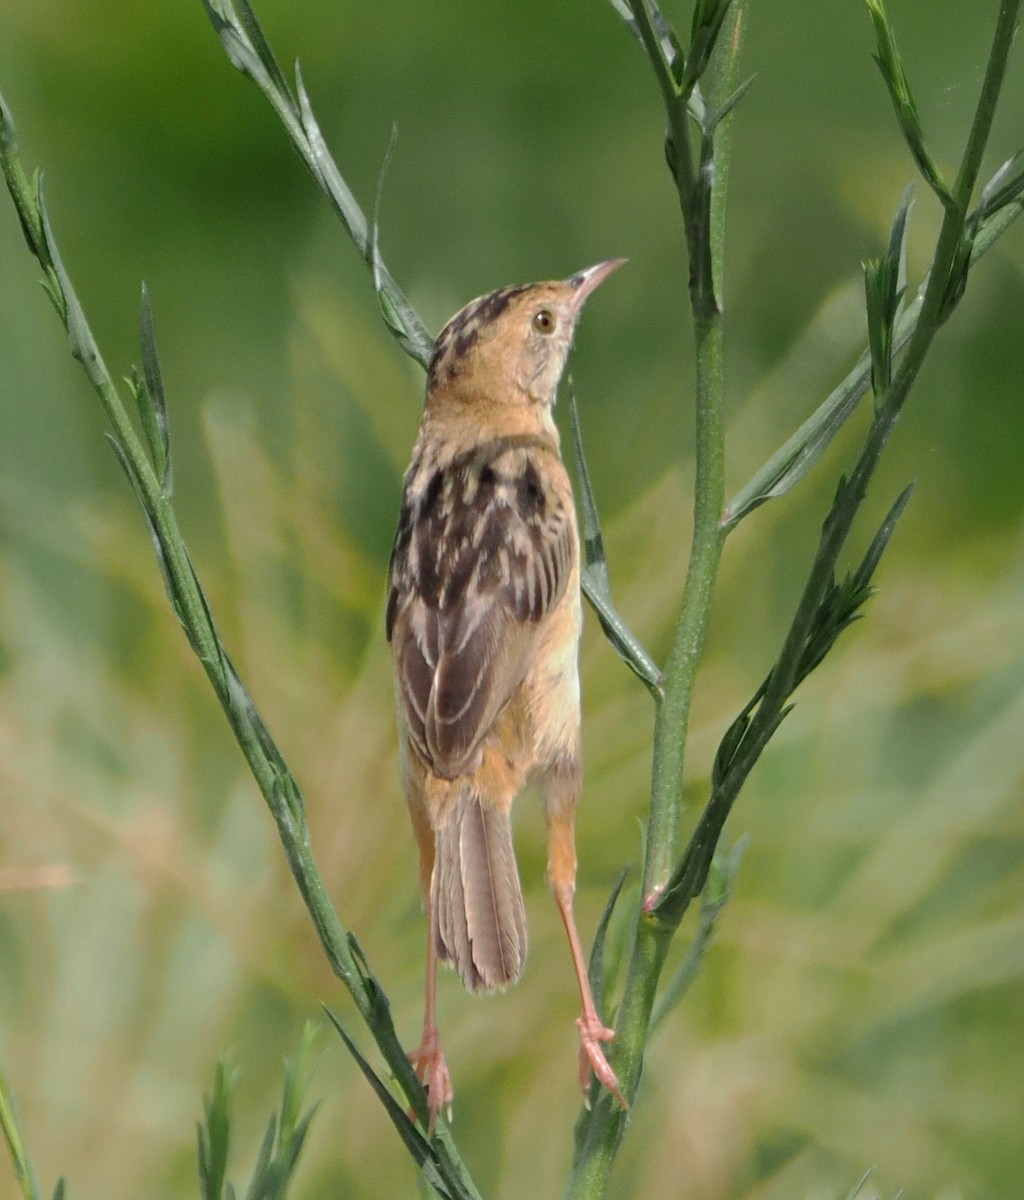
<point>981,126</point>
<point>688,875</point>
<point>264,759</point>
<point>840,520</point>
<point>681,153</point>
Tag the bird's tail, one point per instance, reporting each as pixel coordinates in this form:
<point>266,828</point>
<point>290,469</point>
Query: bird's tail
<point>476,894</point>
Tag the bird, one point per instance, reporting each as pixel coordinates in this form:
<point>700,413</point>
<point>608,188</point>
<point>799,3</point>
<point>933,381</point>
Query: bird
<point>483,618</point>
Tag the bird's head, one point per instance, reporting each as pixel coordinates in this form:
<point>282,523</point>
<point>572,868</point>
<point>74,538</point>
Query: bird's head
<point>510,346</point>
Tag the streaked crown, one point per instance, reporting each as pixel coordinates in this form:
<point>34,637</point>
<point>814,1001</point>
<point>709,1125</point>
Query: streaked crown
<point>511,345</point>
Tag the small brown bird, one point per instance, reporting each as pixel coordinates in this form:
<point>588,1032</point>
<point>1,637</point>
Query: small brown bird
<point>483,617</point>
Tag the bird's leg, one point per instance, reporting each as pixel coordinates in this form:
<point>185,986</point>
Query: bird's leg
<point>561,792</point>
<point>593,1031</point>
<point>428,1058</point>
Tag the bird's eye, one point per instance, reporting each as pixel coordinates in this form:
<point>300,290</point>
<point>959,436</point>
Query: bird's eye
<point>544,321</point>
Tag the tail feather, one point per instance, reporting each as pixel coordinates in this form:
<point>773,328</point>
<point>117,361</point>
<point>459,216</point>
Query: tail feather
<point>481,921</point>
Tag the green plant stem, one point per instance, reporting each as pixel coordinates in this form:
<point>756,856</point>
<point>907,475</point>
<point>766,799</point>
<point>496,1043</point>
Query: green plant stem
<point>706,243</point>
<point>687,879</point>
<point>601,1130</point>
<point>600,1135</point>
<point>268,768</point>
<point>837,525</point>
<point>981,126</point>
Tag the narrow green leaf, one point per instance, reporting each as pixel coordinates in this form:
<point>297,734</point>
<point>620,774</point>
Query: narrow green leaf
<point>254,31</point>
<point>623,641</point>
<point>153,413</point>
<point>22,193</point>
<point>295,1142</point>
<point>170,586</point>
<point>959,269</point>
<point>890,63</point>
<point>593,539</point>
<point>705,26</point>
<point>1001,189</point>
<point>791,462</point>
<point>327,172</point>
<point>879,341</point>
<point>594,575</point>
<point>375,260</point>
<point>841,603</point>
<point>80,339</point>
<point>214,1134</point>
<point>259,1186</point>
<point>379,1003</point>
<point>398,314</point>
<point>10,1128</point>
<point>691,871</point>
<point>402,318</point>
<point>896,251</point>
<point>595,964</point>
<point>865,572</point>
<point>240,51</point>
<point>421,1150</point>
<point>884,285</point>
<point>299,1070</point>
<point>732,739</point>
<point>717,893</point>
<point>713,120</point>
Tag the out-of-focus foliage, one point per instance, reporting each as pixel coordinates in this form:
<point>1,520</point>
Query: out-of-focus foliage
<point>863,1003</point>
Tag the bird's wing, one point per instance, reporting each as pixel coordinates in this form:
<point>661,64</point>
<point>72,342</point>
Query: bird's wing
<point>484,551</point>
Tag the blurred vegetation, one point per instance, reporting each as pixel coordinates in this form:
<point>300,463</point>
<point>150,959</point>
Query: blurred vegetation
<point>864,1002</point>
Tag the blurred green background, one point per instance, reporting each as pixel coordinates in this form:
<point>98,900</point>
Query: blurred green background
<point>864,1002</point>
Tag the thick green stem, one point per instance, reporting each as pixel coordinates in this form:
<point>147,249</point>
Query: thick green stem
<point>673,712</point>
<point>703,209</point>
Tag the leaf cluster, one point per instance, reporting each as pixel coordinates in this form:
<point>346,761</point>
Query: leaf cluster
<point>283,1139</point>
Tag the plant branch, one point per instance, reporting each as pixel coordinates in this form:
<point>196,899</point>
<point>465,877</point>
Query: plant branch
<point>701,192</point>
<point>150,477</point>
<point>596,580</point>
<point>248,49</point>
<point>945,286</point>
<point>799,453</point>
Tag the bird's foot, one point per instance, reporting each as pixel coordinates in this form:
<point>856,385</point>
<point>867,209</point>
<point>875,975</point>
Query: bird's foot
<point>432,1071</point>
<point>592,1056</point>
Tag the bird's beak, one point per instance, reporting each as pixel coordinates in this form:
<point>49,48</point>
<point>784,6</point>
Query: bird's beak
<point>584,282</point>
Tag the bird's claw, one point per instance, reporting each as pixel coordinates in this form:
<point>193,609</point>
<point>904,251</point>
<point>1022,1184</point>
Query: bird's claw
<point>432,1071</point>
<point>593,1058</point>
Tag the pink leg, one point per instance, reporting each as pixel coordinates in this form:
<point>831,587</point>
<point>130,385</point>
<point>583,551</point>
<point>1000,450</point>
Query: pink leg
<point>593,1031</point>
<point>561,792</point>
<point>428,1058</point>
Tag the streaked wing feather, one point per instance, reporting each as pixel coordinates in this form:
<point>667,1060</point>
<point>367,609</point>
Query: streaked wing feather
<point>483,553</point>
